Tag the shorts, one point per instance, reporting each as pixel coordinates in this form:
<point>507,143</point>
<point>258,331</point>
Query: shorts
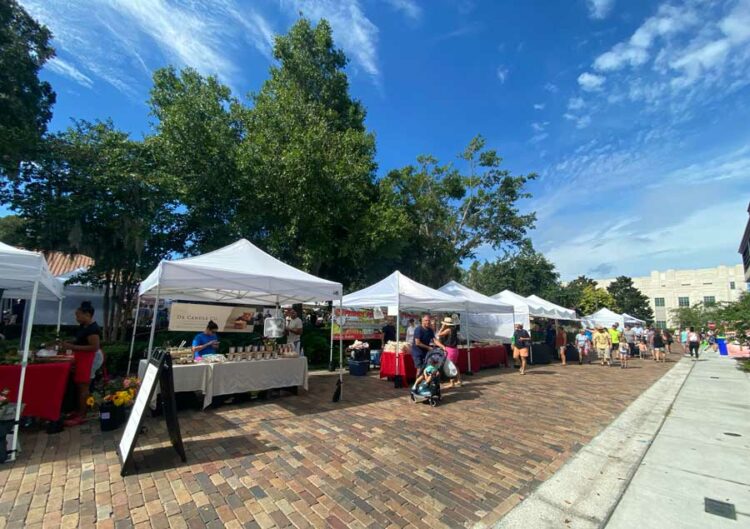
<point>521,352</point>
<point>603,353</point>
<point>658,349</point>
<point>418,357</point>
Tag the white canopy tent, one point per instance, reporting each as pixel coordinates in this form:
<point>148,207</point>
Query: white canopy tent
<point>603,317</point>
<point>563,313</point>
<point>240,273</point>
<point>25,274</point>
<point>398,292</point>
<point>632,320</point>
<point>524,308</point>
<point>481,324</point>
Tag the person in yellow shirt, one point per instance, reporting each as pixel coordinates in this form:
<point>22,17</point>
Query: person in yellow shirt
<point>614,338</point>
<point>602,345</point>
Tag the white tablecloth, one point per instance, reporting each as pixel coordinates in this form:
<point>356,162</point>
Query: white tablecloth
<point>236,377</point>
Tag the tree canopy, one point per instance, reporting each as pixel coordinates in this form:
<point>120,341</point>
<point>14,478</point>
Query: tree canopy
<point>526,273</point>
<point>629,299</point>
<point>25,101</point>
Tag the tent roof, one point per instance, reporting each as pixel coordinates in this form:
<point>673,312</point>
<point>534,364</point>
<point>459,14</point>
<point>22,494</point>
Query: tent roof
<point>565,314</point>
<point>238,273</point>
<point>518,301</point>
<point>397,289</point>
<point>475,301</point>
<point>603,317</point>
<point>19,269</point>
<point>631,319</point>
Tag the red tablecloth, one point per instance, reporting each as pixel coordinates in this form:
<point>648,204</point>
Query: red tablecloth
<point>405,366</point>
<point>463,360</point>
<point>43,390</point>
<point>493,356</point>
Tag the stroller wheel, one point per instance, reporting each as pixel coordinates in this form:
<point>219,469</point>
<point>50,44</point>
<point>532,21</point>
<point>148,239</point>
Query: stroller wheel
<point>434,402</point>
<point>412,397</point>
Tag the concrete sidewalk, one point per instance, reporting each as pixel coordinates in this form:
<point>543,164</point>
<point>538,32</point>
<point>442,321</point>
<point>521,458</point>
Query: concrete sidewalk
<point>700,452</point>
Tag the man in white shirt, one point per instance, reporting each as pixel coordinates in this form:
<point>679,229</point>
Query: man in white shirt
<point>410,331</point>
<point>294,330</point>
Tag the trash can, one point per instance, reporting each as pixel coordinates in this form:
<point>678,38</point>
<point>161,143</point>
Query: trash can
<point>359,368</point>
<point>721,341</point>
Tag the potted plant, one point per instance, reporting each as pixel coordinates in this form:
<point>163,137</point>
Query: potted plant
<point>7,417</point>
<point>113,400</point>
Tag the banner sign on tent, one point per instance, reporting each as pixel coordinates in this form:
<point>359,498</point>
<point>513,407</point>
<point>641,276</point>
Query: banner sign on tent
<point>194,317</point>
<point>364,324</point>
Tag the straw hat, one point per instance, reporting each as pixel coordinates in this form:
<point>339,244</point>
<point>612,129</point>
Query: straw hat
<point>448,321</point>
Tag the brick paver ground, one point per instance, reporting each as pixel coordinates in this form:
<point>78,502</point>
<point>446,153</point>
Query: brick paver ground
<point>372,460</point>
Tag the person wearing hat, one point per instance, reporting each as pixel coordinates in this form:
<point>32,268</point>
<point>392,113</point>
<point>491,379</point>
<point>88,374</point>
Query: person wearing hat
<point>448,337</point>
<point>603,345</point>
<point>522,342</point>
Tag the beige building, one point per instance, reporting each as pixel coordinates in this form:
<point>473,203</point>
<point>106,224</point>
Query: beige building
<point>683,288</point>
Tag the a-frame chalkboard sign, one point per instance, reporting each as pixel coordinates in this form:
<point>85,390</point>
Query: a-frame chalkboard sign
<point>159,370</point>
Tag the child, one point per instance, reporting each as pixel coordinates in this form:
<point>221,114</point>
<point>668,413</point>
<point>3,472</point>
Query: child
<point>422,383</point>
<point>642,348</point>
<point>624,354</point>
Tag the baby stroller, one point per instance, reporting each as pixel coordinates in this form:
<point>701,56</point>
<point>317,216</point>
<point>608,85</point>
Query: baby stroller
<point>430,391</point>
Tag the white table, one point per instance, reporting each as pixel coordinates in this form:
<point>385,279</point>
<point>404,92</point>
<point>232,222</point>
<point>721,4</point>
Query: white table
<point>228,378</point>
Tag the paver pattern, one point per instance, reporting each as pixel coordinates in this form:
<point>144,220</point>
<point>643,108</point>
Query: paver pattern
<point>372,460</point>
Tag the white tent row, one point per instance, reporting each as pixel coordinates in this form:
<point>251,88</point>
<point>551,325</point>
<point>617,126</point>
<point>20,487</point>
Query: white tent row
<point>240,273</point>
<point>399,292</point>
<point>483,325</point>
<point>562,312</point>
<point>25,274</point>
<point>607,318</point>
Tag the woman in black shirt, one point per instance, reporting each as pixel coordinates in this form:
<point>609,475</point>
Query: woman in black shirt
<point>88,356</point>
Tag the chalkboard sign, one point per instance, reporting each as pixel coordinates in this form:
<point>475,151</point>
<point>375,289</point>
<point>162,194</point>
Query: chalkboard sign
<point>159,370</point>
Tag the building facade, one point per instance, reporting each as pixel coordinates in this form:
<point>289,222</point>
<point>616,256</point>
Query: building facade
<point>745,248</point>
<point>673,289</point>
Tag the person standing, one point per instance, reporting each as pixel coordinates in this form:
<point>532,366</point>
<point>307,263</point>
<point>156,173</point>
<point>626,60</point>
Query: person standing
<point>582,343</point>
<point>423,338</point>
<point>603,345</point>
<point>684,341</point>
<point>293,330</point>
<point>522,341</point>
<point>561,342</point>
<point>448,337</point>
<point>614,337</point>
<point>630,338</point>
<point>658,344</point>
<point>667,340</point>
<point>410,328</point>
<point>389,332</point>
<point>88,358</point>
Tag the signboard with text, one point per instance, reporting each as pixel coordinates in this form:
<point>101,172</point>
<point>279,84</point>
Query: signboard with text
<point>195,317</point>
<point>364,324</point>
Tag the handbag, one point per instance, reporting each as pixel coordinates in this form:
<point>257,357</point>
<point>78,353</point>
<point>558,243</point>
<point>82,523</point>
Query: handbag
<point>450,369</point>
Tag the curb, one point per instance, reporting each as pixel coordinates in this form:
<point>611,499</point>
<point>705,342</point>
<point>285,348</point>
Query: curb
<point>585,491</point>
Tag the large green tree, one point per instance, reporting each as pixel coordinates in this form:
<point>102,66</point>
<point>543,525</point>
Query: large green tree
<point>309,159</point>
<point>629,299</point>
<point>458,210</point>
<point>25,101</point>
<point>525,273</point>
<point>197,136</point>
<point>593,299</point>
<point>96,192</point>
<point>12,229</point>
<point>571,294</point>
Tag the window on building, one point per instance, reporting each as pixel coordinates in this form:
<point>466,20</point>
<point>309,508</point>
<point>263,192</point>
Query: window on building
<point>658,302</point>
<point>709,300</point>
<point>731,285</point>
<point>661,324</point>
<point>683,301</point>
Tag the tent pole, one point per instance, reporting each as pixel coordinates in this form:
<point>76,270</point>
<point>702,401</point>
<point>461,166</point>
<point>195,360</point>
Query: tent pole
<point>333,318</point>
<point>59,317</point>
<point>132,338</point>
<point>468,343</point>
<point>341,349</point>
<point>24,362</point>
<point>153,322</point>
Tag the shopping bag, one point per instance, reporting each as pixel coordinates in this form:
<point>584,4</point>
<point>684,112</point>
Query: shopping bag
<point>449,368</point>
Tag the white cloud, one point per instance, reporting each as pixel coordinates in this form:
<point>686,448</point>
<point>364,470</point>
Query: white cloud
<point>539,106</point>
<point>539,127</point>
<point>502,73</point>
<point>576,103</point>
<point>581,121</point>
<point>551,88</point>
<point>599,9</point>
<point>590,82</point>
<point>66,69</point>
<point>410,8</point>
<point>353,31</point>
<point>536,138</point>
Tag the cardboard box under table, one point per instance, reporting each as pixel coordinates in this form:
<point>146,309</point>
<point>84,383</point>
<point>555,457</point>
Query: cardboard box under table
<point>229,378</point>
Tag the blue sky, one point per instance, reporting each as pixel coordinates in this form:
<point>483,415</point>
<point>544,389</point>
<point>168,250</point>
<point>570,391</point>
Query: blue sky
<point>635,114</point>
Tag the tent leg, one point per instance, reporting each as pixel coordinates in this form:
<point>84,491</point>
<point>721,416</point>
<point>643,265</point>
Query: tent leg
<point>341,350</point>
<point>331,368</point>
<point>468,345</point>
<point>398,381</point>
<point>153,323</point>
<point>132,338</point>
<point>59,317</point>
<point>24,362</point>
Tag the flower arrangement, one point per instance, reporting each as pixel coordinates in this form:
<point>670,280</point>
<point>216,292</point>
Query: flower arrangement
<point>119,392</point>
